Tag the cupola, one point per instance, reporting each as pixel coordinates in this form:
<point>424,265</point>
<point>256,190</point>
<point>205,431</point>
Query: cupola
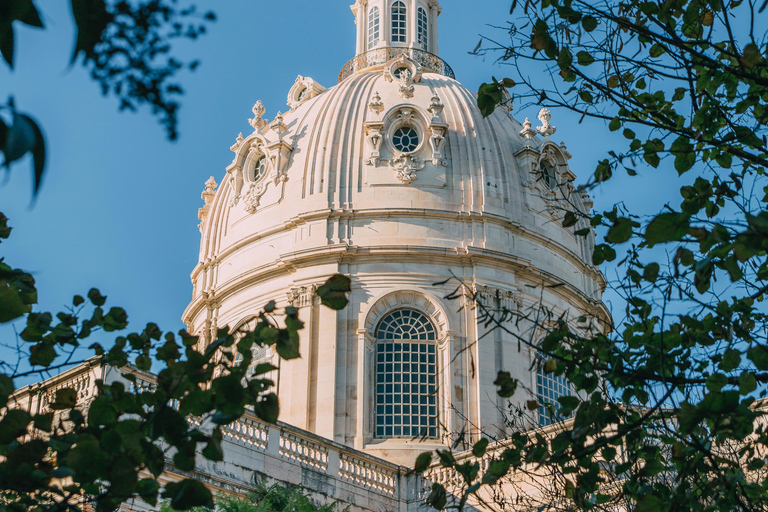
<point>389,28</point>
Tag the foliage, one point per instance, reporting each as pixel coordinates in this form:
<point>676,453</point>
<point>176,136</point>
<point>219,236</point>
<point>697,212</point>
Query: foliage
<point>275,498</point>
<point>125,45</point>
<point>670,409</point>
<point>67,458</point>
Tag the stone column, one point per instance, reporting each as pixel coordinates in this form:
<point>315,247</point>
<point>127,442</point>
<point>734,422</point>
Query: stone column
<point>412,36</point>
<point>361,19</point>
<point>433,14</point>
<point>386,30</point>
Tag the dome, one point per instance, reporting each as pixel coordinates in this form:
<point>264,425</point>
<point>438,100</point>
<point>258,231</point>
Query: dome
<point>394,178</point>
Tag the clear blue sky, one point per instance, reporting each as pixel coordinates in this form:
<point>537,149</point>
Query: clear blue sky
<point>118,208</point>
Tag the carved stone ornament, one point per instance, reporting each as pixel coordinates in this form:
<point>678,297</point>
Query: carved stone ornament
<point>546,129</point>
<point>258,111</point>
<point>486,295</point>
<point>528,132</point>
<point>302,296</point>
<point>406,166</point>
<point>374,137</point>
<point>376,105</point>
<point>395,66</point>
<point>252,197</point>
<point>278,126</point>
<point>303,89</point>
<point>207,196</point>
<point>405,87</point>
<point>238,142</point>
<point>437,141</point>
<point>436,106</point>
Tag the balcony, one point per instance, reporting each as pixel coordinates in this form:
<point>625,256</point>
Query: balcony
<point>380,56</point>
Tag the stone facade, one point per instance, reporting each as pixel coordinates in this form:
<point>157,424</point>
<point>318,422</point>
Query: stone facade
<point>394,178</point>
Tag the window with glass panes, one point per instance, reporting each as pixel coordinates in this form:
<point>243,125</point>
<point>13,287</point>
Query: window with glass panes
<point>421,21</point>
<point>406,375</point>
<point>373,27</point>
<point>398,22</point>
<point>549,388</point>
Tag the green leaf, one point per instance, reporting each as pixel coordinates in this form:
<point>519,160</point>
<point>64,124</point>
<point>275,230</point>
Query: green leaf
<point>488,96</point>
<point>95,296</point>
<point>747,383</point>
<point>478,450</point>
<point>603,253</point>
<point>12,304</point>
<point>188,494</point>
<point>437,497</point>
<point>751,56</point>
<point>716,382</point>
<point>685,157</point>
<point>101,412</point>
<point>589,23</point>
<point>213,450</point>
<point>657,50</point>
<point>507,385</point>
<point>14,425</point>
<point>334,292</point>
<point>584,58</point>
<point>621,231</point>
<point>42,354</point>
<point>268,409</point>
<point>667,227</point>
<point>65,399</point>
<point>91,18</point>
<point>21,138</point>
<point>615,124</point>
<point>422,463</point>
<point>649,503</point>
<point>759,356</point>
<point>570,219</point>
<point>651,272</point>
<point>446,458</point>
<point>6,389</point>
<point>565,59</point>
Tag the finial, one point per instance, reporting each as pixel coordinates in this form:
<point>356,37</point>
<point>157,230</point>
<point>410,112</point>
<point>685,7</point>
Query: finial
<point>238,143</point>
<point>210,188</point>
<point>528,132</point>
<point>376,105</point>
<point>546,129</point>
<point>278,126</point>
<point>258,111</point>
<point>436,107</point>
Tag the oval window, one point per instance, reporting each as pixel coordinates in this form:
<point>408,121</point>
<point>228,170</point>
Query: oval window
<point>259,168</point>
<point>405,139</point>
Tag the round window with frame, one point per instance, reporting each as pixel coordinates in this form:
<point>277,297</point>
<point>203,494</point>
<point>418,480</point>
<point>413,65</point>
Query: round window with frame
<point>548,174</point>
<point>406,139</point>
<point>405,372</point>
<point>259,168</point>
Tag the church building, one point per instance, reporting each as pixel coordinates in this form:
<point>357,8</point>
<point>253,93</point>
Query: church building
<point>394,178</point>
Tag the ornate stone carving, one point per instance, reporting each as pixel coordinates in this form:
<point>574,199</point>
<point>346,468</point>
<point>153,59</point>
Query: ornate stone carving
<point>303,89</point>
<point>302,296</point>
<point>278,126</point>
<point>258,111</point>
<point>376,105</point>
<point>546,129</point>
<point>406,166</point>
<point>402,63</point>
<point>436,106</point>
<point>374,138</point>
<point>437,141</point>
<point>528,132</point>
<point>238,142</point>
<point>252,197</point>
<point>405,85</point>
<point>509,300</point>
<point>208,194</point>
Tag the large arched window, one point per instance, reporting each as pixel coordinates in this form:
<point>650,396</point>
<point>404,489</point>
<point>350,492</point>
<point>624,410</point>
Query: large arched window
<point>398,22</point>
<point>421,24</point>
<point>549,388</point>
<point>373,27</point>
<point>406,375</point>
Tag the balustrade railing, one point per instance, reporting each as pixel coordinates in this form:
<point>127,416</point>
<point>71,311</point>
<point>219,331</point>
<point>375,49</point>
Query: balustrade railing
<point>371,476</point>
<point>303,451</point>
<point>380,56</point>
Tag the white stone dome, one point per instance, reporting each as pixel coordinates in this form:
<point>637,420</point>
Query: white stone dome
<point>394,178</point>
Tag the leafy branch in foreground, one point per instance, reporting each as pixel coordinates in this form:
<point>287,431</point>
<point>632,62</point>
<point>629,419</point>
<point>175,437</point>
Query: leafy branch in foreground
<point>115,449</point>
<point>668,400</point>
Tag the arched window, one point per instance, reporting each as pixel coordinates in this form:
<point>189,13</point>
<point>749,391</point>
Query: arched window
<point>259,168</point>
<point>549,388</point>
<point>421,22</point>
<point>398,22</point>
<point>373,27</point>
<point>406,375</point>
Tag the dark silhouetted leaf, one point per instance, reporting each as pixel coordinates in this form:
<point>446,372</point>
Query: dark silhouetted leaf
<point>188,494</point>
<point>667,227</point>
<point>65,399</point>
<point>334,292</point>
<point>91,18</point>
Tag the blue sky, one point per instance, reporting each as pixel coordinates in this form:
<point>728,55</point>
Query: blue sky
<point>118,208</point>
